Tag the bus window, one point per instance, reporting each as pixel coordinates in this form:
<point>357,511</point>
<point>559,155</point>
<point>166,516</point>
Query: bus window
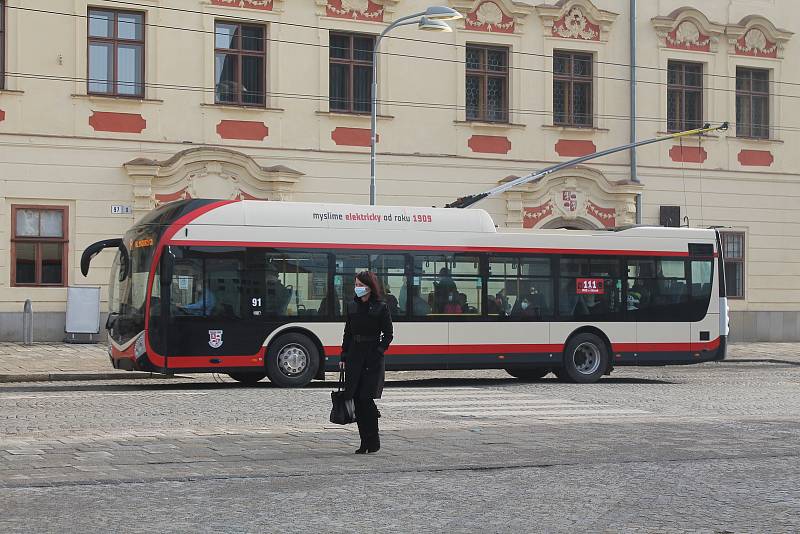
<point>294,283</point>
<point>702,276</point>
<point>450,285</point>
<point>590,288</point>
<point>658,289</point>
<point>390,270</point>
<point>207,282</point>
<point>520,287</point>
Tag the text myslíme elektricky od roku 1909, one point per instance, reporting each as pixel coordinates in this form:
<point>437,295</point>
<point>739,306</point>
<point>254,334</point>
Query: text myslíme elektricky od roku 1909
<point>373,217</point>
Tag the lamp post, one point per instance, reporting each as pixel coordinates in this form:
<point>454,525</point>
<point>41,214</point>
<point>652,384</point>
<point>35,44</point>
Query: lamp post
<point>432,19</point>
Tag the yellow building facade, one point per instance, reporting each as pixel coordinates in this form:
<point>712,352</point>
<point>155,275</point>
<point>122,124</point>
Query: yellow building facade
<point>108,109</point>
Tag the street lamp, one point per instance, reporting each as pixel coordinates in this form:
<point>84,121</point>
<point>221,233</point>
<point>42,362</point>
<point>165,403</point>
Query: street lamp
<point>432,19</point>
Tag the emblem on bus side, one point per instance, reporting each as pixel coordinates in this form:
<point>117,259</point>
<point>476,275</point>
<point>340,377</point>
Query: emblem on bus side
<point>215,338</point>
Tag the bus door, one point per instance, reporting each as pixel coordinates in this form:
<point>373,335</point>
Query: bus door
<point>519,305</point>
<point>658,302</point>
<point>211,309</point>
<point>705,310</point>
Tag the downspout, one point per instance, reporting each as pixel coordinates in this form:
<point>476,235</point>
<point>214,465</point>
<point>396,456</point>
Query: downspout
<point>634,174</point>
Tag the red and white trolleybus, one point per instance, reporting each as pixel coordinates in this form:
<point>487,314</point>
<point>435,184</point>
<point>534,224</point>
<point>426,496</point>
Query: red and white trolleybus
<point>256,289</point>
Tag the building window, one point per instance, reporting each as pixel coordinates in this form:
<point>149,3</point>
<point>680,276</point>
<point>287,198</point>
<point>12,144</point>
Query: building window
<point>684,96</point>
<point>239,64</point>
<point>572,89</point>
<point>350,72</point>
<point>116,53</point>
<point>752,103</point>
<point>733,249</point>
<point>487,83</point>
<point>38,246</point>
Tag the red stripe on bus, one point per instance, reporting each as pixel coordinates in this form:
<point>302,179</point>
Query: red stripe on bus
<point>197,362</point>
<point>435,248</point>
<point>665,347</point>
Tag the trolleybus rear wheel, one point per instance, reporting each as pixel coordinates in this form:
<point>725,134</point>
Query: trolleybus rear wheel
<point>247,378</point>
<point>292,361</point>
<point>534,373</point>
<point>585,358</point>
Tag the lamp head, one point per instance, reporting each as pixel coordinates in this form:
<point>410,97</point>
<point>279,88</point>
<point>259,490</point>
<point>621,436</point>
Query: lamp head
<point>433,25</point>
<point>442,13</point>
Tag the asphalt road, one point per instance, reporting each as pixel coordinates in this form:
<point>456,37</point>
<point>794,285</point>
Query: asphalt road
<point>707,448</point>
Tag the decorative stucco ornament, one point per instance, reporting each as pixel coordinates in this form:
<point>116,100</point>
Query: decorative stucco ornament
<point>356,8</point>
<point>488,16</point>
<point>359,6</point>
<point>489,13</point>
<point>687,34</point>
<point>756,41</point>
<point>576,26</point>
<point>258,4</point>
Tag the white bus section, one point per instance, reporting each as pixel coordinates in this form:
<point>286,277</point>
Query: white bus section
<point>404,229</point>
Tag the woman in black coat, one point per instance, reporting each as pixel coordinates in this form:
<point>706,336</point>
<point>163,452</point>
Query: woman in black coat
<point>367,335</point>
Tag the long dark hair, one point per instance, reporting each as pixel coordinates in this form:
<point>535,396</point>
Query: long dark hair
<point>371,281</point>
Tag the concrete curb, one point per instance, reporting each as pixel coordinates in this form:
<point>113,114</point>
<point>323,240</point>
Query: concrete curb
<point>60,377</point>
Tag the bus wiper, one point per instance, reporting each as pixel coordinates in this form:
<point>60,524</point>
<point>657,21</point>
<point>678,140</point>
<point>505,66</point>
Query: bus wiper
<point>469,200</point>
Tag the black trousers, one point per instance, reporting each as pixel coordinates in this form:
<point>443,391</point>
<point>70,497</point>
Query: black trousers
<point>367,421</point>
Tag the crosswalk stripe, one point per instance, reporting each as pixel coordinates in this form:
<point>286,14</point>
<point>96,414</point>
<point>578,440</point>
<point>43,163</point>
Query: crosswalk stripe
<point>488,402</point>
<point>534,413</point>
<point>485,403</point>
<point>464,394</point>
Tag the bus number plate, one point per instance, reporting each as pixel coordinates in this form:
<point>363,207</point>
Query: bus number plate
<point>589,286</point>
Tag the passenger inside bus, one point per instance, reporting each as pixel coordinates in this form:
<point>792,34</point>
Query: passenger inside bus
<point>277,295</point>
<point>420,307</point>
<point>445,293</point>
<point>391,300</point>
<point>205,301</point>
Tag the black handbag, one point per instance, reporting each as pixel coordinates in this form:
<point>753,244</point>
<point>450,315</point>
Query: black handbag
<point>343,411</point>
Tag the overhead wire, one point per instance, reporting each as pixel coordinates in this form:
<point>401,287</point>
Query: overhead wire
<point>385,102</point>
<point>236,18</point>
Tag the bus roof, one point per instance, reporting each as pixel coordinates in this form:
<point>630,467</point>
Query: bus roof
<point>321,225</point>
<point>347,216</point>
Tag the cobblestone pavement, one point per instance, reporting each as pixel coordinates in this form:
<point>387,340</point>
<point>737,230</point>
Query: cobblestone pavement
<point>707,448</point>
<point>49,361</point>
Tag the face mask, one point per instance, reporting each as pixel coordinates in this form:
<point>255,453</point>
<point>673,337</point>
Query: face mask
<point>524,305</point>
<point>361,291</point>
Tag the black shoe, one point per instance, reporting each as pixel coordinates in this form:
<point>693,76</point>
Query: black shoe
<point>362,449</point>
<point>375,446</point>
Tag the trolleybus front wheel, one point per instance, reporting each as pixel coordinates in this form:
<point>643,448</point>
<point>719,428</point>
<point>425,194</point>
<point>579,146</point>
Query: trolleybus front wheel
<point>534,373</point>
<point>585,358</point>
<point>292,361</point>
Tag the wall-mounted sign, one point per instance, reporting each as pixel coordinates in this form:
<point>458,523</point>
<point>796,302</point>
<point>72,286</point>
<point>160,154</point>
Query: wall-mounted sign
<point>589,286</point>
<point>120,209</point>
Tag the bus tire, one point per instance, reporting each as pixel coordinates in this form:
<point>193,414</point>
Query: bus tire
<point>292,360</point>
<point>585,358</point>
<point>535,373</point>
<point>247,379</point>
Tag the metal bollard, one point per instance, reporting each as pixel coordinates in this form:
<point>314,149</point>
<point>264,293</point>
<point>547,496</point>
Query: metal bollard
<point>27,323</point>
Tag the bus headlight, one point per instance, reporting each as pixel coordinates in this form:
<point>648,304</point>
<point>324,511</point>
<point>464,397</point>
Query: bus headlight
<point>138,347</point>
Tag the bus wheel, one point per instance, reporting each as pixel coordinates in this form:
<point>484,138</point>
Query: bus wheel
<point>585,358</point>
<point>247,378</point>
<point>292,361</point>
<point>528,374</point>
